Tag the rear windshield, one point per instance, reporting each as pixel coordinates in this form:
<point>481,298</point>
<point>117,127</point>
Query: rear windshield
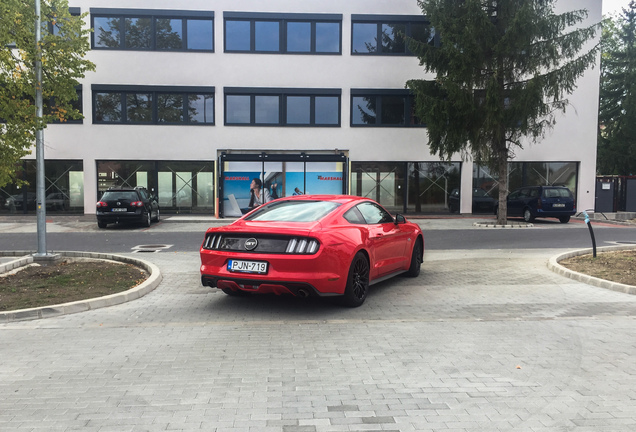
<point>120,195</point>
<point>557,193</point>
<point>293,211</point>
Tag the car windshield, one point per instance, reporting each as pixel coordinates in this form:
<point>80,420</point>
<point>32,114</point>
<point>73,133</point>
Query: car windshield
<point>557,193</point>
<point>293,211</point>
<point>120,195</point>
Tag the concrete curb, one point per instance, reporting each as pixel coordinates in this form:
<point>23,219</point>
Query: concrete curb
<point>509,225</point>
<point>140,290</point>
<point>553,264</point>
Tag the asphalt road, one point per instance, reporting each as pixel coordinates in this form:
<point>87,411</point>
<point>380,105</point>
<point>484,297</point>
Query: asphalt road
<point>186,236</point>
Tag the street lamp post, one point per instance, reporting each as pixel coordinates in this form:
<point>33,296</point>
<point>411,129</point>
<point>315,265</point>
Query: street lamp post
<point>39,141</point>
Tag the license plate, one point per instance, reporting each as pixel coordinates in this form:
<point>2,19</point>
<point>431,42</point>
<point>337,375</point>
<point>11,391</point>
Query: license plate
<point>558,205</point>
<point>259,267</point>
<point>120,209</point>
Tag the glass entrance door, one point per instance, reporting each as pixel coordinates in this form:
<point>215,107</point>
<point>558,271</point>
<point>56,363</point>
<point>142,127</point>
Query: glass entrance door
<point>277,176</point>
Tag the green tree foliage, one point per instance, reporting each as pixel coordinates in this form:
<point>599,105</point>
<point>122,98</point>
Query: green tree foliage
<point>502,70</point>
<point>64,44</point>
<point>617,109</point>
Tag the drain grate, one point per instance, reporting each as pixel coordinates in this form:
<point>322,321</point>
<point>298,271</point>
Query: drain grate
<point>150,248</point>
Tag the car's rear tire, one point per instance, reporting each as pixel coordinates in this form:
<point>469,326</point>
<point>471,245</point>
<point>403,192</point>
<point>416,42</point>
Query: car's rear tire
<point>416,259</point>
<point>157,216</point>
<point>147,220</point>
<point>564,219</point>
<point>357,281</point>
<point>235,293</point>
<point>527,215</point>
<point>101,224</point>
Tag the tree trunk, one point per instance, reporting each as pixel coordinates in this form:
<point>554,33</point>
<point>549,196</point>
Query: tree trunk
<point>502,172</point>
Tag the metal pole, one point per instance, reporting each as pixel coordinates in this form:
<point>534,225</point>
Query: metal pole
<point>39,138</point>
<point>589,225</point>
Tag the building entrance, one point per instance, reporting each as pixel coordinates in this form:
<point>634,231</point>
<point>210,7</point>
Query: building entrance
<point>249,179</point>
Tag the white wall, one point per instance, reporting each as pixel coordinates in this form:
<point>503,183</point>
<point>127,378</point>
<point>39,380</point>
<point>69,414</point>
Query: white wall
<point>573,139</point>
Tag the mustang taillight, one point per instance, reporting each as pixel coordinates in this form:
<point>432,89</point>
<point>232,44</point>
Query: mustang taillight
<point>212,242</point>
<point>267,244</point>
<point>302,246</point>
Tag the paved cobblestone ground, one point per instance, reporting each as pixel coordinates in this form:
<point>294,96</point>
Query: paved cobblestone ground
<point>480,341</point>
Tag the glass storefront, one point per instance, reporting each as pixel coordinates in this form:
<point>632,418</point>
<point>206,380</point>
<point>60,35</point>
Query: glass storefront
<point>188,186</point>
<point>406,187</point>
<point>528,174</point>
<point>248,179</point>
<point>63,183</point>
<point>181,186</point>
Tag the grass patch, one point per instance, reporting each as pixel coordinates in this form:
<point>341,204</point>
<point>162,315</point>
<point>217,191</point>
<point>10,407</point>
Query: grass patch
<point>66,281</point>
<point>616,266</point>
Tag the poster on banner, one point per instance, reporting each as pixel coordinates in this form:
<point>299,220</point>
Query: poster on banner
<point>325,183</point>
<point>294,183</point>
<point>236,192</point>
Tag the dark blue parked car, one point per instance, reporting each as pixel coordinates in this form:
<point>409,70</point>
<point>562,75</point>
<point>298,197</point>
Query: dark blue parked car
<point>532,202</point>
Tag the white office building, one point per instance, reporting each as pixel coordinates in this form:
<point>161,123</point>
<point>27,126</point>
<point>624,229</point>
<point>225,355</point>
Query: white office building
<point>195,98</point>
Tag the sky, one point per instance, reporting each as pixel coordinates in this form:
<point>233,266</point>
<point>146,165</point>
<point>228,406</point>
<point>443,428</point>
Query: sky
<point>614,6</point>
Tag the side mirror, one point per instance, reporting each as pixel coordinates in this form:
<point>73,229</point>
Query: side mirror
<point>399,219</point>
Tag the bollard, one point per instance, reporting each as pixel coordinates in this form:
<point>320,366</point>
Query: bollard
<point>589,225</point>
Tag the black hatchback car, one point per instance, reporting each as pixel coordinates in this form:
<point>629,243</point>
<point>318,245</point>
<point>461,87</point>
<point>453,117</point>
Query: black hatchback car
<point>134,205</point>
<point>541,202</point>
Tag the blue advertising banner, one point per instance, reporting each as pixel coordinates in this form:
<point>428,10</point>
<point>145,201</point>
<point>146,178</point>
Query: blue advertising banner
<point>325,183</point>
<point>236,191</point>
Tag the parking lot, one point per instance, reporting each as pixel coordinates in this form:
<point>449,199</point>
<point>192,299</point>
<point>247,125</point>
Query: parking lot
<point>482,340</point>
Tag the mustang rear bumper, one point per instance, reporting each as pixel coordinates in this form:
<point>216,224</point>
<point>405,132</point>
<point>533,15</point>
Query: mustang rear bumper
<point>263,287</point>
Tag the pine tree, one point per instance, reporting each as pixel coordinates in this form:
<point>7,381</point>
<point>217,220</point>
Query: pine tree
<point>502,69</point>
<point>617,109</point>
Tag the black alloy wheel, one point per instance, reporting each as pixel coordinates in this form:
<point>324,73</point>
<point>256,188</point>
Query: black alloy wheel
<point>416,259</point>
<point>357,282</point>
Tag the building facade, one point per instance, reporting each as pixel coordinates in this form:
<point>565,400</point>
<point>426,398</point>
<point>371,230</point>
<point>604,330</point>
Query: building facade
<point>193,99</point>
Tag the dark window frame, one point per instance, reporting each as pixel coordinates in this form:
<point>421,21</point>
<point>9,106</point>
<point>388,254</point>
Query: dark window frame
<point>378,94</point>
<point>79,104</point>
<point>282,93</point>
<point>379,20</point>
<point>124,90</point>
<point>122,14</point>
<point>282,20</point>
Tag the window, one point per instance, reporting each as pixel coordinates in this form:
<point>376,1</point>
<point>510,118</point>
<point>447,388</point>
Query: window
<point>374,214</point>
<point>283,33</point>
<point>282,107</point>
<point>385,35</point>
<point>149,30</point>
<point>55,25</point>
<point>50,108</point>
<point>383,108</point>
<point>153,105</point>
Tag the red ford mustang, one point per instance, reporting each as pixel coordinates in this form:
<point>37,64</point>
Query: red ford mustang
<point>311,245</point>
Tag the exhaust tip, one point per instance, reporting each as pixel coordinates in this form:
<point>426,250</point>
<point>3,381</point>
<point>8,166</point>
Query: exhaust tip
<point>303,293</point>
